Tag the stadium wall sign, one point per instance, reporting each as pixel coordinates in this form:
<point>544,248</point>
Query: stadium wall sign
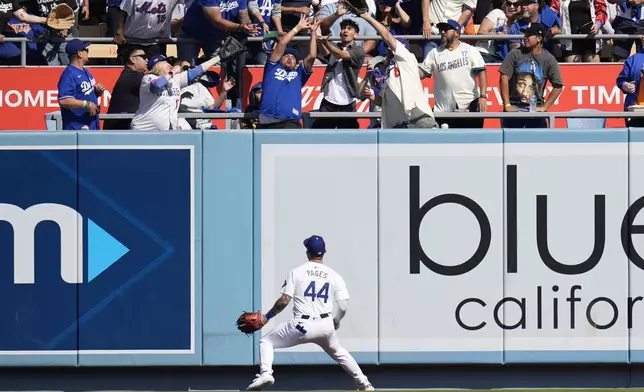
<point>29,93</point>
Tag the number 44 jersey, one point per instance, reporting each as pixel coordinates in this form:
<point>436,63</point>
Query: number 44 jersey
<point>314,288</point>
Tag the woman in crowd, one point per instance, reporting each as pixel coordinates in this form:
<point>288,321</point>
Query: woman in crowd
<point>498,21</point>
<point>581,17</point>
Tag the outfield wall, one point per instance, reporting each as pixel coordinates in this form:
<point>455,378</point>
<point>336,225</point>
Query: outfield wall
<point>458,247</point>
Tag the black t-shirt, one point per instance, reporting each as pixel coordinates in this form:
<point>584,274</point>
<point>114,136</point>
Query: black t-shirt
<point>44,7</point>
<point>7,8</point>
<point>291,20</point>
<point>125,98</point>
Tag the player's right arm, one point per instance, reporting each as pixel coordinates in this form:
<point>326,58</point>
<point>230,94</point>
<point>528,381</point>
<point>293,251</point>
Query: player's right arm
<point>288,289</point>
<point>341,296</point>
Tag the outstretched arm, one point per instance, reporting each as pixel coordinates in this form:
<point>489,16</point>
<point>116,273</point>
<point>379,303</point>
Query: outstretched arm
<point>284,40</point>
<point>281,303</point>
<point>389,39</point>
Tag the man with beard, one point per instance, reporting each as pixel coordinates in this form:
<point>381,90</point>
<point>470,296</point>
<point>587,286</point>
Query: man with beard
<point>456,66</point>
<point>340,82</point>
<point>281,105</point>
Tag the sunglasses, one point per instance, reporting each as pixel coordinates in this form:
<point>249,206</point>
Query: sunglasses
<point>144,57</point>
<point>512,4</point>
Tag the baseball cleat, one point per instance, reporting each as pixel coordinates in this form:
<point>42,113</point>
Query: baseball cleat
<point>365,386</point>
<point>261,381</point>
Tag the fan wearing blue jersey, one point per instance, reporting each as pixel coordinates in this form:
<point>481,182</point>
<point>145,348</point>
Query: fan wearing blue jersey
<point>265,12</point>
<point>78,91</point>
<point>281,105</point>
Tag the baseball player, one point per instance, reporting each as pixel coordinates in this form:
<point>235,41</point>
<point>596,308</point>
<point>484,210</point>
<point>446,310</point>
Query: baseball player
<point>160,94</point>
<point>314,288</point>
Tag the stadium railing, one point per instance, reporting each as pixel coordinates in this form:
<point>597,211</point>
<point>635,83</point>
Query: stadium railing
<point>108,40</point>
<point>551,116</point>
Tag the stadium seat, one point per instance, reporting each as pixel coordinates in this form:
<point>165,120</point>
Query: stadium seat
<point>585,123</point>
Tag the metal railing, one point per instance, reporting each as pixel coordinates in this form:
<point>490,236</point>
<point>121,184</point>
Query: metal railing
<point>551,116</point>
<point>498,37</point>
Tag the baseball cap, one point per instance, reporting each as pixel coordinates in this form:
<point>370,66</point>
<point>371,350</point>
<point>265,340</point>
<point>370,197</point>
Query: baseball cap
<point>534,29</point>
<point>210,79</point>
<point>388,3</point>
<point>292,51</point>
<point>74,46</point>
<point>450,25</point>
<point>154,60</point>
<point>315,245</point>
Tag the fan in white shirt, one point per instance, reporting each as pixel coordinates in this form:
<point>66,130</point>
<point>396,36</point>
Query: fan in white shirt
<point>456,66</point>
<point>402,99</point>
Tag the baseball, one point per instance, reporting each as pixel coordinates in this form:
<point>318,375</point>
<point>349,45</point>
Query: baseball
<point>316,3</point>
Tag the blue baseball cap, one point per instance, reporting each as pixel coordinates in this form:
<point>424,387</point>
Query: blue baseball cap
<point>315,245</point>
<point>450,24</point>
<point>154,60</point>
<point>74,46</point>
<point>292,51</point>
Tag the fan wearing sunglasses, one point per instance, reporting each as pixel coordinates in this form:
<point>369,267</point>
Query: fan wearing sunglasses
<point>125,94</point>
<point>498,21</point>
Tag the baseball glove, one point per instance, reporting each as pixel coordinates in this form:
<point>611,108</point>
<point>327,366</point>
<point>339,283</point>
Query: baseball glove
<point>250,322</point>
<point>230,49</point>
<point>357,7</point>
<point>61,17</point>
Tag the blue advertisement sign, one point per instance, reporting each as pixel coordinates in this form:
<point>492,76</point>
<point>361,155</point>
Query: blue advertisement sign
<point>97,249</point>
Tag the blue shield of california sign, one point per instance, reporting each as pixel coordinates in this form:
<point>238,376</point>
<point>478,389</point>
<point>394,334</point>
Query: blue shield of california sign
<point>97,249</point>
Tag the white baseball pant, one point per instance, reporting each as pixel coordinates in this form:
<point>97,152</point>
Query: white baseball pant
<point>319,331</point>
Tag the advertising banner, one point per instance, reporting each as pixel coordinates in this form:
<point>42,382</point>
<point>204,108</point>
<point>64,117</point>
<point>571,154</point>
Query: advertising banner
<point>440,250</point>
<point>27,94</point>
<point>98,250</point>
<point>564,208</point>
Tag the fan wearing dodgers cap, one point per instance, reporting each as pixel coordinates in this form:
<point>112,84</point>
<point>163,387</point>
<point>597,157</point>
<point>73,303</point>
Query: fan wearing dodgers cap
<point>314,288</point>
<point>281,105</point>
<point>160,94</point>
<point>456,66</point>
<point>403,100</point>
<point>78,91</point>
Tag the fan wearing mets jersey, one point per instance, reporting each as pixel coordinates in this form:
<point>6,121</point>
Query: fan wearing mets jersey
<point>314,288</point>
<point>160,95</point>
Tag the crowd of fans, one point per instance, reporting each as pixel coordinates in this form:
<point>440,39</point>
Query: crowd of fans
<point>141,22</point>
<point>135,26</point>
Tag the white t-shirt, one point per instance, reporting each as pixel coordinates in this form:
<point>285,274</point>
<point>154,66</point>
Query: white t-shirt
<point>403,97</point>
<point>454,73</point>
<point>442,10</point>
<point>496,16</point>
<point>314,288</point>
<point>148,19</point>
<point>159,110</point>
<point>201,97</point>
<point>338,91</point>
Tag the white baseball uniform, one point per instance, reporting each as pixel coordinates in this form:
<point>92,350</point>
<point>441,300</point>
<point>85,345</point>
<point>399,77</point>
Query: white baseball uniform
<point>158,111</point>
<point>454,73</point>
<point>403,97</point>
<point>314,288</point>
